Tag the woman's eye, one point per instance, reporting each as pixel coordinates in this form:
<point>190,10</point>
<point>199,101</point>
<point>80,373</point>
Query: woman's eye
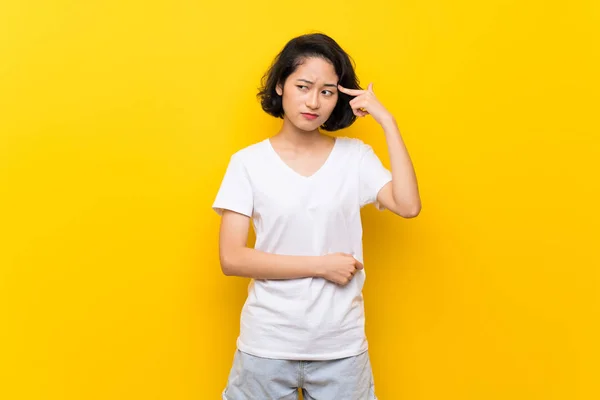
<point>303,86</point>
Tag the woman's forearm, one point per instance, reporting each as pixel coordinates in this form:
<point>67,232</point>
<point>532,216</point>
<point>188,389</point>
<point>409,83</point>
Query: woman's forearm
<point>252,263</point>
<point>405,190</point>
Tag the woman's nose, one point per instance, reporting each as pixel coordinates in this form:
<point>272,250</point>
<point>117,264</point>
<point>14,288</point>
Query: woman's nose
<point>313,100</point>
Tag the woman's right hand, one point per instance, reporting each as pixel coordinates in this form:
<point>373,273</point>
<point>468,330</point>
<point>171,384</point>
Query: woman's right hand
<point>339,268</point>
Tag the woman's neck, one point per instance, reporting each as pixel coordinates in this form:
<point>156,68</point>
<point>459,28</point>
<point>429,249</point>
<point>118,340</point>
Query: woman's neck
<point>293,136</point>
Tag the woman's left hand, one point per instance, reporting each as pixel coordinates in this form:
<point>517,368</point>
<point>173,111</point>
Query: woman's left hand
<point>366,103</point>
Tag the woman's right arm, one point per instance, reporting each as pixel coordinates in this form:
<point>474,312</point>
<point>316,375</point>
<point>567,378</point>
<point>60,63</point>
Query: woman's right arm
<point>239,260</point>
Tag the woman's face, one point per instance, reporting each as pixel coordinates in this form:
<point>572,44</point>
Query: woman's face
<point>311,89</point>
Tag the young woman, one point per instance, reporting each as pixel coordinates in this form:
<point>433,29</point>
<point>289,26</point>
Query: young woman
<point>302,325</point>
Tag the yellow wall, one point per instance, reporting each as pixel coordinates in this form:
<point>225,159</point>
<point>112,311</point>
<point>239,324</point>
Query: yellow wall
<point>117,120</point>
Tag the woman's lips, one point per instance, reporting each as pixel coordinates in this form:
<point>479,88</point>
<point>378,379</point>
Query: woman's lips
<point>309,116</point>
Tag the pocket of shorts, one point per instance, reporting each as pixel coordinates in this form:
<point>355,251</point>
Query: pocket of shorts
<point>372,388</point>
<point>372,392</point>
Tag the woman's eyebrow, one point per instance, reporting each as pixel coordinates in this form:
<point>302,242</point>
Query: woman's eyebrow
<point>327,84</point>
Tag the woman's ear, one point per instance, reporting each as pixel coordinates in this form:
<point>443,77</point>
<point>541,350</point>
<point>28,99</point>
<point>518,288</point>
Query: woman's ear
<point>279,89</point>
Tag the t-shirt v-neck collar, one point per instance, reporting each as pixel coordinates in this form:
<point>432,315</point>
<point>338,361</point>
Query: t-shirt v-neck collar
<point>293,171</point>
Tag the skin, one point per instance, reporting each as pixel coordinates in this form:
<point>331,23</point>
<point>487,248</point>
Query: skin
<point>304,148</point>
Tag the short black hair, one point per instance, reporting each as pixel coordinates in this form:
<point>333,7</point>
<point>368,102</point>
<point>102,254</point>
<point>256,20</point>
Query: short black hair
<point>287,61</point>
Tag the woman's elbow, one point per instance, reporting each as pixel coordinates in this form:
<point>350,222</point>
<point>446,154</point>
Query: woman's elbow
<point>411,212</point>
<point>227,264</point>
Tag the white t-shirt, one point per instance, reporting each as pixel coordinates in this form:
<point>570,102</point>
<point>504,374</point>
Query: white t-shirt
<point>306,318</point>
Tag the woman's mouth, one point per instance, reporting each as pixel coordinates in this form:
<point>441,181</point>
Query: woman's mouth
<point>309,116</point>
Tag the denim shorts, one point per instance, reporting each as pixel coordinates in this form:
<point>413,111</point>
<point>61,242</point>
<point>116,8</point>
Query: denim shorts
<point>257,378</point>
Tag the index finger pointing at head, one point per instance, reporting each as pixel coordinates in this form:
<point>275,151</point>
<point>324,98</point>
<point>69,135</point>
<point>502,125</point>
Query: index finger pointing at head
<point>353,92</point>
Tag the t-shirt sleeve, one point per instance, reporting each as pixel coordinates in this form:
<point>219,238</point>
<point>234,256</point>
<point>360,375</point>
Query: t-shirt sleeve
<point>373,176</point>
<point>235,193</point>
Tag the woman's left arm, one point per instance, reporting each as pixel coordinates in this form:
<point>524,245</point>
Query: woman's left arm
<point>401,195</point>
